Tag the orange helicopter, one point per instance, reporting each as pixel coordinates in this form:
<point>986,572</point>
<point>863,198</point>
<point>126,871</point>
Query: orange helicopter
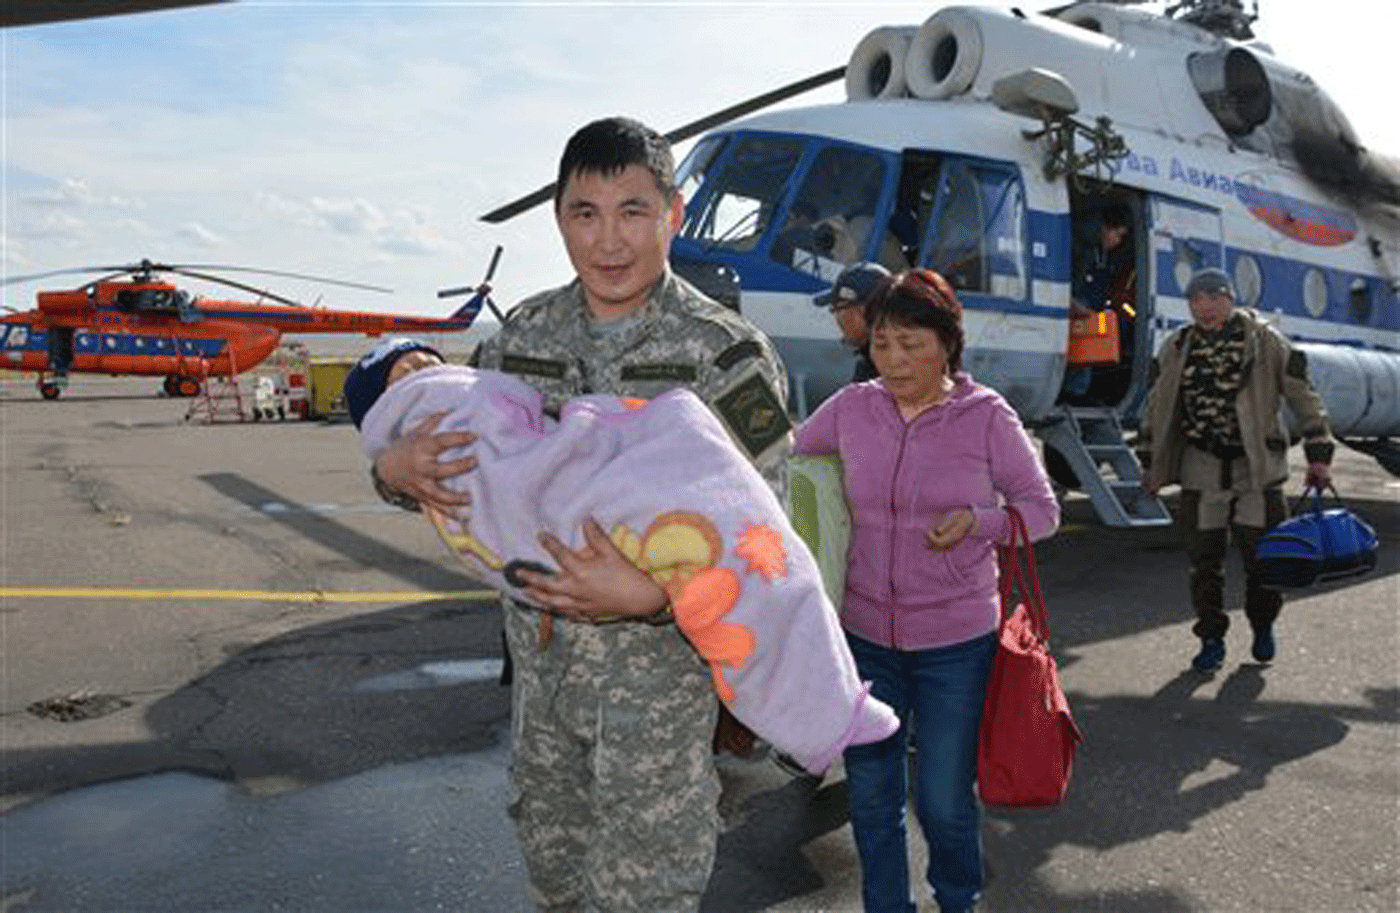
<point>146,326</point>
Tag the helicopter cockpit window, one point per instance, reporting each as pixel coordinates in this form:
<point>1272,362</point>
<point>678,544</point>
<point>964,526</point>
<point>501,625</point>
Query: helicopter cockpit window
<point>19,335</point>
<point>976,239</point>
<point>741,200</point>
<point>833,215</point>
<point>691,173</point>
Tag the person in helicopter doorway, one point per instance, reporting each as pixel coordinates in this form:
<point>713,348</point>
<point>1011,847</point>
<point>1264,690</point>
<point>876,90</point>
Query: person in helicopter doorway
<point>1105,279</point>
<point>1212,423</point>
<point>847,299</point>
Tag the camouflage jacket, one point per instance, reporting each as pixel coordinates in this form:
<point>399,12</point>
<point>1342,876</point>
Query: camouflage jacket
<point>681,339</point>
<point>1273,372</point>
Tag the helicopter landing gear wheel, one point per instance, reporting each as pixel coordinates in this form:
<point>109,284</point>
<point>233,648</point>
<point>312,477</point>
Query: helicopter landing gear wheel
<point>168,385</point>
<point>186,386</point>
<point>49,390</point>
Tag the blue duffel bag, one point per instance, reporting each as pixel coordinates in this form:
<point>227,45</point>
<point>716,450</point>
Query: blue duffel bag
<point>1316,546</point>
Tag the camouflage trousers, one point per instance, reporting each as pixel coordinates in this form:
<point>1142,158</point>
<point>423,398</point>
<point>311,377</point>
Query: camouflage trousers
<point>615,791</point>
<point>1211,514</point>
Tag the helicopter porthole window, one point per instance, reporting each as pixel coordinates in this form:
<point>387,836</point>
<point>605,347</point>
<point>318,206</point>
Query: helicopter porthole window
<point>1360,296</point>
<point>1184,267</point>
<point>1315,292</point>
<point>1249,281</point>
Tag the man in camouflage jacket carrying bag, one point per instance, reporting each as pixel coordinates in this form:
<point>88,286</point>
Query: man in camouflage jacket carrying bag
<point>1212,423</point>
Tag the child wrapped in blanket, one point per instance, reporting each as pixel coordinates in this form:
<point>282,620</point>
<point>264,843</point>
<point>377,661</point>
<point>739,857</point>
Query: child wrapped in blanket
<point>678,499</point>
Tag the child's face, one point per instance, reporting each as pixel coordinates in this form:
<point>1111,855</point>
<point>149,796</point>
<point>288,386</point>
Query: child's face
<point>406,364</point>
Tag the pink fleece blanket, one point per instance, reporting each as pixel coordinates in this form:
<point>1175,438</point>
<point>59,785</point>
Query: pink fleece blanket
<point>681,501</point>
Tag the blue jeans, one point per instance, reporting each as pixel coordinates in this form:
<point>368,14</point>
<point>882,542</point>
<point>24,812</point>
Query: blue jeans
<point>938,695</point>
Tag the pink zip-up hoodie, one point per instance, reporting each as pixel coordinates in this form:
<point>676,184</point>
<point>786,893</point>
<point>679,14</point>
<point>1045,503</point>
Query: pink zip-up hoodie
<point>968,451</point>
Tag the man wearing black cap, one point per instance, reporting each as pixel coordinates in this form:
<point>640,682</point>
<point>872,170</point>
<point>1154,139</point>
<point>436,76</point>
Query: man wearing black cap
<point>846,299</point>
<point>1212,423</point>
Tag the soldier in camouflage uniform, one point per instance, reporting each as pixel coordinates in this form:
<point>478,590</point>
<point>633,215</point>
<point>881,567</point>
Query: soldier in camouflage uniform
<point>1212,423</point>
<point>615,788</point>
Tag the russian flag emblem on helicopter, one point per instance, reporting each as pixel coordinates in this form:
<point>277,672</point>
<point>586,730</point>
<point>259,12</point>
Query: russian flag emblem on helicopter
<point>1301,220</point>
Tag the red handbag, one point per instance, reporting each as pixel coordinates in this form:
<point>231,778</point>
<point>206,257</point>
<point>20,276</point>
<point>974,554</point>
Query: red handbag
<point>1027,741</point>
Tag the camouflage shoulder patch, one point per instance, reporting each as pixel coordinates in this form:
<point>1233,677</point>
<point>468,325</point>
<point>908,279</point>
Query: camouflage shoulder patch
<point>753,414</point>
<point>736,353</point>
<point>1297,364</point>
<point>538,367</point>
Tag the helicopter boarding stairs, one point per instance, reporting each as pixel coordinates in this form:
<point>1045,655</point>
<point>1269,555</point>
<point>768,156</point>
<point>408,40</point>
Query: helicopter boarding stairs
<point>220,397</point>
<point>1091,441</point>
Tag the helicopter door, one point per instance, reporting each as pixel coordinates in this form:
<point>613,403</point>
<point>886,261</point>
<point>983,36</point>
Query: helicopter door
<point>1185,237</point>
<point>60,350</point>
<point>1107,261</point>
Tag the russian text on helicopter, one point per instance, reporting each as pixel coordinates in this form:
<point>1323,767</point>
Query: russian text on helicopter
<point>130,322</point>
<point>985,142</point>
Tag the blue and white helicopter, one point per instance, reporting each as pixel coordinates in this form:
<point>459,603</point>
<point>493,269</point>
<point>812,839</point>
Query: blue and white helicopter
<point>986,143</point>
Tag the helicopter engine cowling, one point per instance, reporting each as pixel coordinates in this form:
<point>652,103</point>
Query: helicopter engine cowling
<point>1234,87</point>
<point>876,67</point>
<point>1268,107</point>
<point>1361,388</point>
<point>945,56</point>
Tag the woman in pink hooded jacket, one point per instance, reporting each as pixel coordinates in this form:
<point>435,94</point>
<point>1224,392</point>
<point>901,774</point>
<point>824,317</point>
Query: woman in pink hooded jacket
<point>932,461</point>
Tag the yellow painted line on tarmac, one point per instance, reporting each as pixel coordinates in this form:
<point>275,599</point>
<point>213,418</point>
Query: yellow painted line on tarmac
<point>78,592</point>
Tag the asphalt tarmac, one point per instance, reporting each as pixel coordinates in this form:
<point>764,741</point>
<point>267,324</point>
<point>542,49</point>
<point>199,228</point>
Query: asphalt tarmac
<point>233,680</point>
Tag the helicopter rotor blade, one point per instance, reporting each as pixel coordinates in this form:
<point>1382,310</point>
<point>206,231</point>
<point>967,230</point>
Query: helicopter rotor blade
<point>276,272</point>
<point>144,269</point>
<point>685,132</point>
<point>782,93</point>
<point>118,270</point>
<point>239,285</point>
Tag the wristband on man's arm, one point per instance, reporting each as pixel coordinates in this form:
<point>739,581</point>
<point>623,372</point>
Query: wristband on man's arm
<point>391,495</point>
<point>663,616</point>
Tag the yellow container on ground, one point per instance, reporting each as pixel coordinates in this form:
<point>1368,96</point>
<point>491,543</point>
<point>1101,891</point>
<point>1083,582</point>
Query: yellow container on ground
<point>327,383</point>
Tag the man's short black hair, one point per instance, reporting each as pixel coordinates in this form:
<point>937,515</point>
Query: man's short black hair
<point>609,145</point>
<point>1116,215</point>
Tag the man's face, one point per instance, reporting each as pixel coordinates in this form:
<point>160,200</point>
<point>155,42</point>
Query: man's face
<point>617,230</point>
<point>851,321</point>
<point>1112,236</point>
<point>1210,310</point>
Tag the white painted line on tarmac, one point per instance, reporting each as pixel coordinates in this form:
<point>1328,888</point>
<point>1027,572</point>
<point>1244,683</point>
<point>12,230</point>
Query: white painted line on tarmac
<point>19,592</point>
<point>435,675</point>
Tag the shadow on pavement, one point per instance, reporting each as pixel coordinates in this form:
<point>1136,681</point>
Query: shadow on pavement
<point>316,704</point>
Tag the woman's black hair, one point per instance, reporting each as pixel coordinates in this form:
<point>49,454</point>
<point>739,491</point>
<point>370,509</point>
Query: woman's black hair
<point>920,298</point>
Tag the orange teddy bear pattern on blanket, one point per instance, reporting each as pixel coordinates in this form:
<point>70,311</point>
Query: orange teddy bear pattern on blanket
<point>680,550</point>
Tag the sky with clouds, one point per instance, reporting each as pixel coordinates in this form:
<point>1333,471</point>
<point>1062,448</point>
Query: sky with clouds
<point>363,140</point>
